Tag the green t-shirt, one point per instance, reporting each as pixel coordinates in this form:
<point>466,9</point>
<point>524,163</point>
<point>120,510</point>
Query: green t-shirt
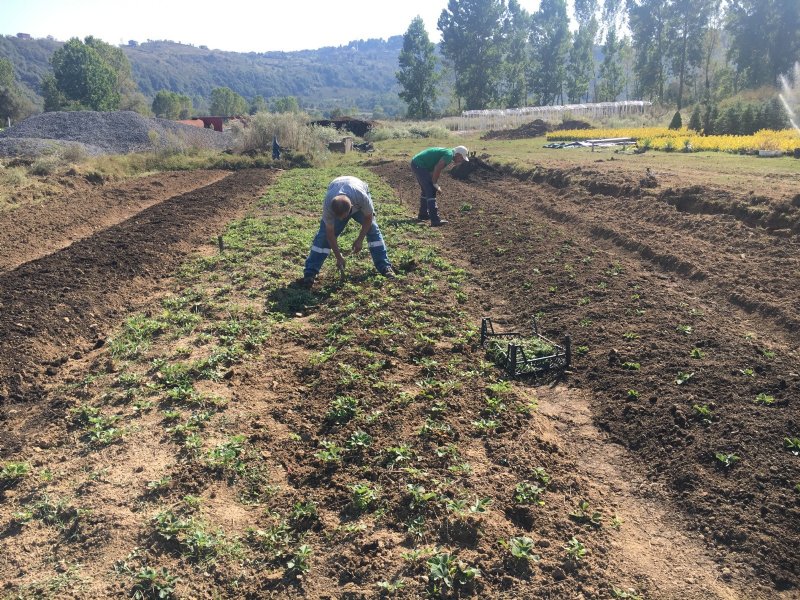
<point>428,158</point>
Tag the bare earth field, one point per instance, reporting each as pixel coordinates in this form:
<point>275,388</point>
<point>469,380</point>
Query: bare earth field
<point>675,423</point>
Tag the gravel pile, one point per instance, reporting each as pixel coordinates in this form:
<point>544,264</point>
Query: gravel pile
<point>105,133</point>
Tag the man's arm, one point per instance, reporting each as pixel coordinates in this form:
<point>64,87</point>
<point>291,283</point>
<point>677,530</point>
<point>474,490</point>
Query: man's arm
<point>437,171</point>
<point>362,234</point>
<point>330,233</point>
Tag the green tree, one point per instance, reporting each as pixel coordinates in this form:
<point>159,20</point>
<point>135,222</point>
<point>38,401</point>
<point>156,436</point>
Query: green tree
<point>171,105</point>
<point>611,78</point>
<point>472,41</point>
<point>695,122</point>
<point>516,59</point>
<point>227,103</point>
<point>258,104</point>
<point>687,25</point>
<point>81,80</point>
<point>765,38</point>
<point>13,104</point>
<point>580,64</point>
<point>417,75</point>
<point>648,24</point>
<point>285,104</point>
<point>550,42</point>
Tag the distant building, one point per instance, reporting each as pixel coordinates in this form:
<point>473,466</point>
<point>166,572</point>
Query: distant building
<point>24,36</point>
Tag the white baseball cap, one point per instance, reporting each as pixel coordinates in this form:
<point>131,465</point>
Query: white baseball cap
<point>462,150</point>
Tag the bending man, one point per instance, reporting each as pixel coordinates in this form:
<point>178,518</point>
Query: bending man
<point>346,197</point>
<point>427,167</point>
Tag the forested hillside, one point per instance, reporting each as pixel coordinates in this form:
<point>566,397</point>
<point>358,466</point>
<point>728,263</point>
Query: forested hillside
<point>359,75</point>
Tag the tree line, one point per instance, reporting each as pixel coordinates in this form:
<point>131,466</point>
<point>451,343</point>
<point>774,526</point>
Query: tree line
<point>674,52</point>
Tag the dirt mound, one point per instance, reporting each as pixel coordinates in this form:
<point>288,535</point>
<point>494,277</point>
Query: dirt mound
<point>573,124</point>
<point>120,132</point>
<point>535,128</point>
<point>357,127</point>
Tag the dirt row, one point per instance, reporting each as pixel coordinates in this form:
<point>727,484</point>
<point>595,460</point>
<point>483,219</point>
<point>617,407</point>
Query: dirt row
<point>59,306</point>
<point>669,310</point>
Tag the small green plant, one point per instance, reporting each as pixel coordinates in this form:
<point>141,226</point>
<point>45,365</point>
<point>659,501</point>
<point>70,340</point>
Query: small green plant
<point>363,496</point>
<point>703,412</point>
<point>583,513</point>
<point>520,548</point>
<point>684,329</point>
<point>298,564</point>
<point>764,399</point>
<point>152,584</point>
<point>630,335</point>
<point>683,378</point>
<point>158,486</point>
<point>303,515</point>
<point>331,452</point>
<point>398,455</point>
<point>484,426</point>
<point>631,366</point>
<point>696,353</point>
<point>358,440</point>
<point>342,409</point>
<point>747,372</point>
<point>390,587</point>
<point>581,350</point>
<point>621,594</point>
<point>528,493</point>
<point>576,551</point>
<point>11,472</point>
<point>792,444</point>
<point>726,460</point>
<point>633,394</point>
<point>445,572</point>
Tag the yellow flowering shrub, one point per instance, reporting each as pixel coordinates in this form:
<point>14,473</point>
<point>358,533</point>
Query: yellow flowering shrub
<point>684,140</point>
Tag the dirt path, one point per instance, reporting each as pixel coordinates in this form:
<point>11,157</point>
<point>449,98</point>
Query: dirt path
<point>668,310</point>
<point>650,543</point>
<point>32,231</point>
<point>59,306</point>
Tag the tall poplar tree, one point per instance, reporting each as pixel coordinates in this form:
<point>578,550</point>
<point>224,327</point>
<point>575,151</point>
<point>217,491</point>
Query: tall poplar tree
<point>516,61</point>
<point>648,25</point>
<point>472,41</point>
<point>611,79</point>
<point>688,22</point>
<point>550,44</point>
<point>417,74</point>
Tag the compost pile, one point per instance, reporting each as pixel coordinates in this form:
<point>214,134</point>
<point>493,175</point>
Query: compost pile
<point>357,127</point>
<point>535,128</point>
<point>99,133</point>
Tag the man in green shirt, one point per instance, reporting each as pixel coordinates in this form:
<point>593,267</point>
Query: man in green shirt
<point>427,167</point>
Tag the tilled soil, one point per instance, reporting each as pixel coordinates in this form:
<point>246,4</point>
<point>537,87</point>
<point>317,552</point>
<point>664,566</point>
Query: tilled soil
<point>634,278</point>
<point>59,305</point>
<point>681,316</point>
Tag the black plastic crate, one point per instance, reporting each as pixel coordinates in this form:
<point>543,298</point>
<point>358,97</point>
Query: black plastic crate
<point>525,354</point>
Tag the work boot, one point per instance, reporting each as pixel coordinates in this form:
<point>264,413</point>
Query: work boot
<point>433,211</point>
<point>423,215</point>
<point>388,272</point>
<point>308,280</point>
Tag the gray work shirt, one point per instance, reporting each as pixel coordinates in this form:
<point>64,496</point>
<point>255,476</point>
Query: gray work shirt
<point>353,188</point>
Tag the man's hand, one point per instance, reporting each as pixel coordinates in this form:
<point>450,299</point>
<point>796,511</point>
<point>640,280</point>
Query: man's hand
<point>437,187</point>
<point>340,262</point>
<point>357,245</point>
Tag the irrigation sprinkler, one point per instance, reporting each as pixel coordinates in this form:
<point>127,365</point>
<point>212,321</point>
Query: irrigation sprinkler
<point>525,354</point>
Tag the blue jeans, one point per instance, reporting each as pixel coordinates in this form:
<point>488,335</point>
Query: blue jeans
<point>320,248</point>
<point>425,180</point>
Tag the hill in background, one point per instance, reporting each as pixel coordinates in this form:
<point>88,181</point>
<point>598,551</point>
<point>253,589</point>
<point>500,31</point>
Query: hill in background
<point>360,74</point>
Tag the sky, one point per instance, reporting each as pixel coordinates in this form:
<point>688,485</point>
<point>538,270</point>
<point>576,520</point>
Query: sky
<point>233,25</point>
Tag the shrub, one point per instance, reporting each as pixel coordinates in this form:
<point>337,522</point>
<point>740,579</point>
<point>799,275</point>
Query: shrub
<point>676,122</point>
<point>293,132</point>
<point>695,124</point>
